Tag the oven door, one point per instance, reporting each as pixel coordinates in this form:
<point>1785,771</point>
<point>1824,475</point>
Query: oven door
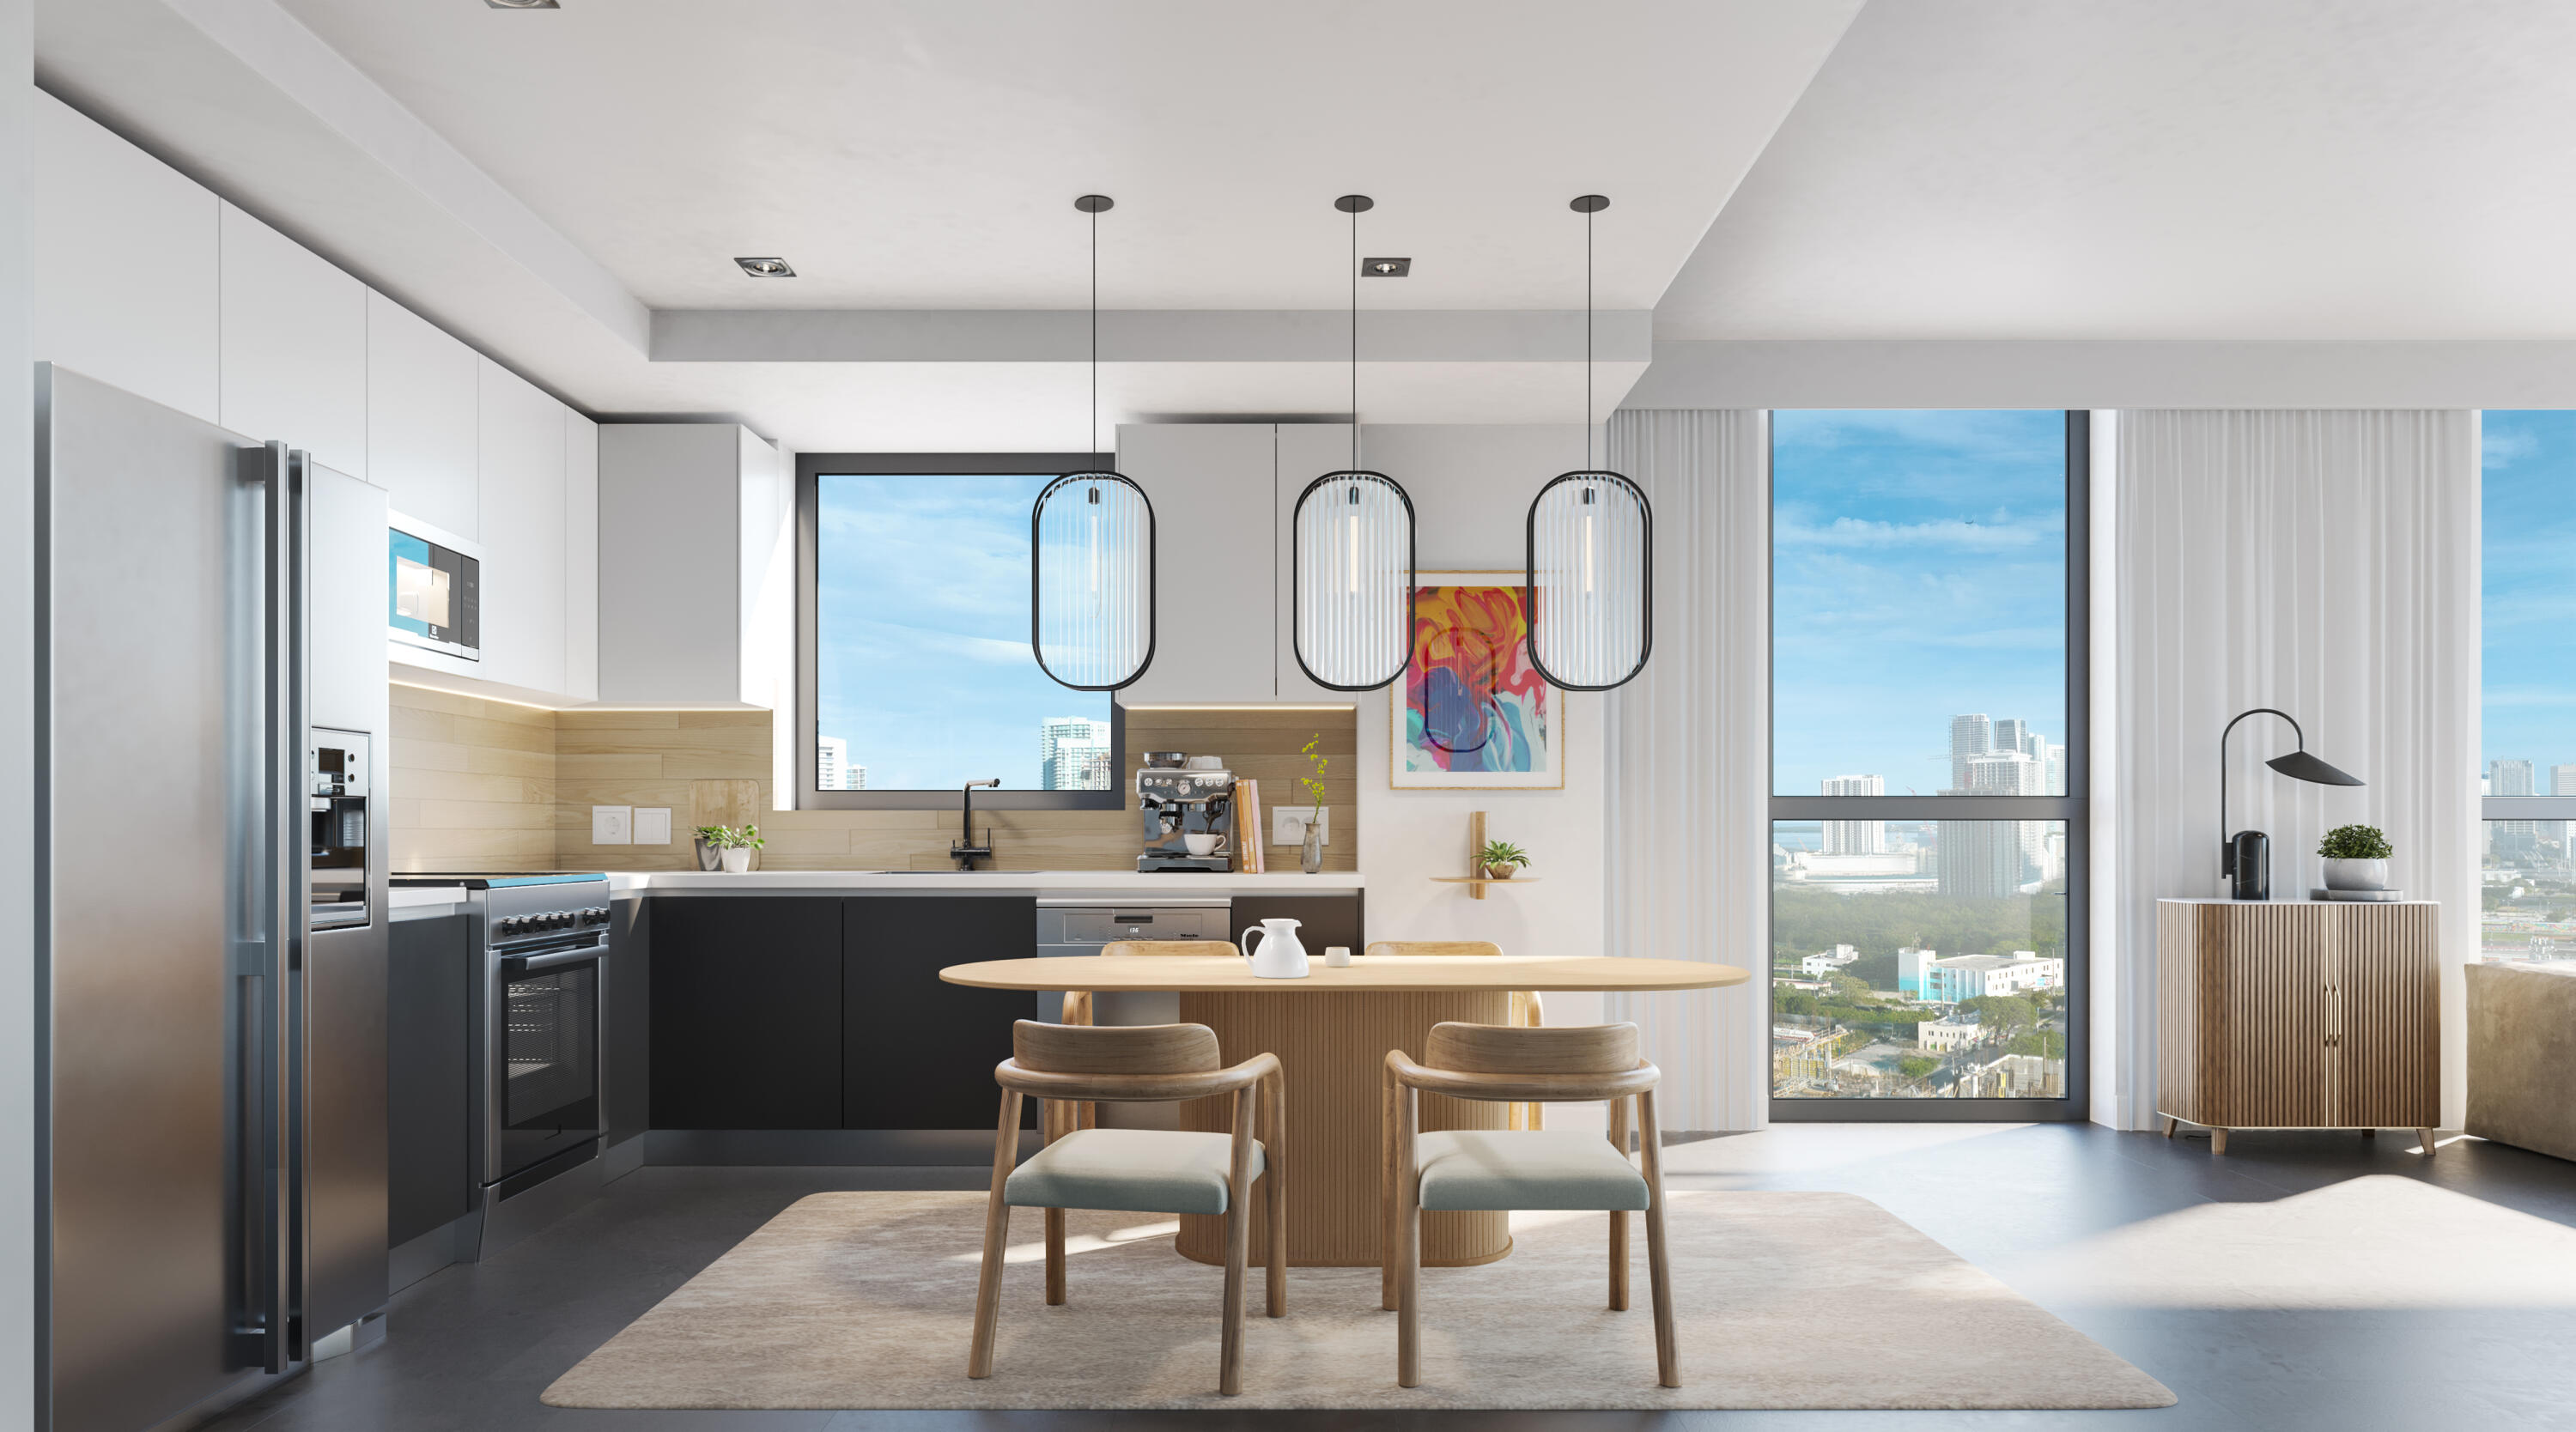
<point>544,1075</point>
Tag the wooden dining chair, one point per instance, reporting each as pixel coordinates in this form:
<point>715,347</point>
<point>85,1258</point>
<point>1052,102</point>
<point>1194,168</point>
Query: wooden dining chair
<point>1526,1011</point>
<point>1138,1170</point>
<point>1502,1169</point>
<point>1080,1009</point>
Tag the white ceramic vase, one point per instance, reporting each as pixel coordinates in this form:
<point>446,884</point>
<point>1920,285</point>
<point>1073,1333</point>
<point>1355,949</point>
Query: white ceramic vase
<point>2356,874</point>
<point>737,859</point>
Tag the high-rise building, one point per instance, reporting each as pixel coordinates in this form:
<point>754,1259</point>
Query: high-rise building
<point>832,768</point>
<point>2053,758</point>
<point>2510,778</point>
<point>1981,859</point>
<point>1854,837</point>
<point>1073,754</point>
<point>2562,780</point>
<point>2010,733</point>
<point>1970,737</point>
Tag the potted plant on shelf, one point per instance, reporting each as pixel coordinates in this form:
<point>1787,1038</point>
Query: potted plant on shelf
<point>1310,855</point>
<point>1502,859</point>
<point>735,843</point>
<point>2356,858</point>
<point>710,854</point>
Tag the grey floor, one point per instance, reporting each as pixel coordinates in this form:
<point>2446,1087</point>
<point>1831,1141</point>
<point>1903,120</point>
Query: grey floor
<point>2303,1281</point>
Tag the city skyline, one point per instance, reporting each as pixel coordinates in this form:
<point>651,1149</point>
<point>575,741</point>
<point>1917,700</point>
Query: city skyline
<point>1919,564</point>
<point>2527,610</point>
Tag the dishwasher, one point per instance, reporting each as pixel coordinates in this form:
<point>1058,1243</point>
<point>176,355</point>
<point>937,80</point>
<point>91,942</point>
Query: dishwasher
<point>1084,925</point>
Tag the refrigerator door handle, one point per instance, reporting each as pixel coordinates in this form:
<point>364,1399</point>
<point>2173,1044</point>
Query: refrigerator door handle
<point>277,1214</point>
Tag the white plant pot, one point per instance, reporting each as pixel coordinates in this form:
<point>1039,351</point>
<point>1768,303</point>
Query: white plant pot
<point>2356,875</point>
<point>737,860</point>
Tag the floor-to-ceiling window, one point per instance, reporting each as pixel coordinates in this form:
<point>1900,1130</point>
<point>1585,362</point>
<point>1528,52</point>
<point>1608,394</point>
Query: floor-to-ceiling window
<point>2527,700</point>
<point>1927,736</point>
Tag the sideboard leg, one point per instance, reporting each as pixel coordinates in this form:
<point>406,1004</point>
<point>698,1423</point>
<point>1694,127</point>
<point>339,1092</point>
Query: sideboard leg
<point>2170,1122</point>
<point>2370,1133</point>
<point>2217,1142</point>
<point>2425,1138</point>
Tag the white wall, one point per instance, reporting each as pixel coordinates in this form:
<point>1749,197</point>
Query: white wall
<point>1471,490</point>
<point>19,1014</point>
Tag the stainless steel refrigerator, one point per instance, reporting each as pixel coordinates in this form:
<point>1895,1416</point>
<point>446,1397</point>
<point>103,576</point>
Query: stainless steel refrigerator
<point>211,690</point>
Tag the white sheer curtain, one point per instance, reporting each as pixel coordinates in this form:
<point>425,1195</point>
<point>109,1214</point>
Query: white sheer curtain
<point>1687,859</point>
<point>2325,563</point>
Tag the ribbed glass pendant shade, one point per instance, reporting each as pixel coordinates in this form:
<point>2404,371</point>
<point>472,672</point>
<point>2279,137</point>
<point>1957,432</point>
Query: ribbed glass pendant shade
<point>1352,580</point>
<point>1091,581</point>
<point>1591,581</point>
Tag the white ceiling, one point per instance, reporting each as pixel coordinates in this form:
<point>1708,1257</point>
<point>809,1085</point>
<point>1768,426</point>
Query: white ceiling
<point>2161,169</point>
<point>926,155</point>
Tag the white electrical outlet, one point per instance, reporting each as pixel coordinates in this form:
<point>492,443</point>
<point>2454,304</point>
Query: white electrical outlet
<point>1288,827</point>
<point>612,825</point>
<point>652,825</point>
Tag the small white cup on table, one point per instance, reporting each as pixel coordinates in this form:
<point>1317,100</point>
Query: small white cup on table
<point>1337,957</point>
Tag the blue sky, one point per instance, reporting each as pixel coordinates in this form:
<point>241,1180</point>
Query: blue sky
<point>922,630</point>
<point>1918,572</point>
<point>2528,599</point>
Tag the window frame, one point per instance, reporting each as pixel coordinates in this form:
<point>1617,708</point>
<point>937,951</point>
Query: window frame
<point>2071,808</point>
<point>810,469</point>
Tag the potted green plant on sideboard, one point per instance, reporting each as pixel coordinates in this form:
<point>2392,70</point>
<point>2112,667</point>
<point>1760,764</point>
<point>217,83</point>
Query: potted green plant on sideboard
<point>2356,858</point>
<point>735,843</point>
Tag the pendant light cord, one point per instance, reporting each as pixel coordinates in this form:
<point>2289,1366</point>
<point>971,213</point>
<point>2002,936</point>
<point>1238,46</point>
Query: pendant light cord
<point>1587,338</point>
<point>1093,435</point>
<point>1355,340</point>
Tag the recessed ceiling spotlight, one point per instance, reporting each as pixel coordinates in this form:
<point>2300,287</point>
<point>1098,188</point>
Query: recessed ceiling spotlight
<point>524,4</point>
<point>1386,268</point>
<point>766,268</point>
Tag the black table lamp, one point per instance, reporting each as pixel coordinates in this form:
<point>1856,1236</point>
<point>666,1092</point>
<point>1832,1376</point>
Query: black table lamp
<point>2245,857</point>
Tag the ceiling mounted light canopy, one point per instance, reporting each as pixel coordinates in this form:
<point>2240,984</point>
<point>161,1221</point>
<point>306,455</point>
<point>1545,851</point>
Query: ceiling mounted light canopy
<point>772,267</point>
<point>1351,568</point>
<point>1590,553</point>
<point>1091,553</point>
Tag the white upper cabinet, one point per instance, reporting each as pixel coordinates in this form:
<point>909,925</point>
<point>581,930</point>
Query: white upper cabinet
<point>581,557</point>
<point>520,471</point>
<point>422,397</point>
<point>125,259</point>
<point>685,509</point>
<point>1306,451</point>
<point>1212,489</point>
<point>294,346</point>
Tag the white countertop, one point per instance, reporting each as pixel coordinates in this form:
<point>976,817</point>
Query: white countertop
<point>1043,882</point>
<point>2283,900</point>
<point>403,897</point>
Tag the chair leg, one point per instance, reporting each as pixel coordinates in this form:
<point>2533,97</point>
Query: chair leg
<point>1618,1220</point>
<point>1386,1195</point>
<point>1238,1246</point>
<point>1274,1180</point>
<point>997,1236</point>
<point>1659,1277</point>
<point>1408,1250</point>
<point>1055,1120</point>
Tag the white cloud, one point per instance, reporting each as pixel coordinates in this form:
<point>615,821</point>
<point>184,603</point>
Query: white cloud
<point>2500,447</point>
<point>1961,534</point>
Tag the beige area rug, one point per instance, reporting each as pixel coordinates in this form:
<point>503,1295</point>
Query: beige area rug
<point>1784,1300</point>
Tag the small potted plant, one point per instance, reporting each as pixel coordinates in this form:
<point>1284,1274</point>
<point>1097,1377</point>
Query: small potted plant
<point>710,854</point>
<point>2356,858</point>
<point>736,843</point>
<point>1502,859</point>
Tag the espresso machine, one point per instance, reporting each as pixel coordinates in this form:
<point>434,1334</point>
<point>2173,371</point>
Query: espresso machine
<point>1188,807</point>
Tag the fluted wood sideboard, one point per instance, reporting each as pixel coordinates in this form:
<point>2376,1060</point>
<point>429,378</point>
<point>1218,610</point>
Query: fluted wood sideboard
<point>2298,1014</point>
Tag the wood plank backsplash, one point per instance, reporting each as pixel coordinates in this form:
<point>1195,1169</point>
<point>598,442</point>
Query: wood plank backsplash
<point>481,784</point>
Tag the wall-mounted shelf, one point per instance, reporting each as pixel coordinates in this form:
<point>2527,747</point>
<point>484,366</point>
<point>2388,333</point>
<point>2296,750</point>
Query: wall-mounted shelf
<point>1484,880</point>
<point>1475,880</point>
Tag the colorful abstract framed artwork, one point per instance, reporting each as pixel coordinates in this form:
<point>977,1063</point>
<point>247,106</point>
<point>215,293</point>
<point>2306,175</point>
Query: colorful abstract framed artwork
<point>1472,713</point>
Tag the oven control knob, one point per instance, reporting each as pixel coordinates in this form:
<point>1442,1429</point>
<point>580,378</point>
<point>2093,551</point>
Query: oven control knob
<point>505,928</point>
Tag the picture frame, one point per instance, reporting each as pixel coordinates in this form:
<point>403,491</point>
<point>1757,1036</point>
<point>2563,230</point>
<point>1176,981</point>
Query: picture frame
<point>1471,712</point>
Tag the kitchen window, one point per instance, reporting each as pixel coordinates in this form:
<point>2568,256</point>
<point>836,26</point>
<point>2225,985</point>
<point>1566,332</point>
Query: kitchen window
<point>1928,764</point>
<point>914,674</point>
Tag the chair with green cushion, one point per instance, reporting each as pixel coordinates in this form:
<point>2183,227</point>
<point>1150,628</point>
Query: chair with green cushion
<point>1137,1170</point>
<point>1483,1170</point>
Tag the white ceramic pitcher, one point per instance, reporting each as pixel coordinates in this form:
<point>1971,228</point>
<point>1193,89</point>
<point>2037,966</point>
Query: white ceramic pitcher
<point>1281,957</point>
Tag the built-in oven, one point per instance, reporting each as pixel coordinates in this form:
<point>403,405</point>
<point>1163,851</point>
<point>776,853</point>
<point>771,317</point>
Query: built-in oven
<point>434,590</point>
<point>546,947</point>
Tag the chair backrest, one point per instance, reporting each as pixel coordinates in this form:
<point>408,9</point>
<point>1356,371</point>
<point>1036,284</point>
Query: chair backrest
<point>1115,1048</point>
<point>1434,947</point>
<point>1168,947</point>
<point>1504,1049</point>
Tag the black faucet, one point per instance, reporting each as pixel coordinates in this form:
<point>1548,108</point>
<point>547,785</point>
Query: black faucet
<point>966,852</point>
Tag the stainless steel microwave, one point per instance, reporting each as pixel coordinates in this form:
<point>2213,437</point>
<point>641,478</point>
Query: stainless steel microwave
<point>434,590</point>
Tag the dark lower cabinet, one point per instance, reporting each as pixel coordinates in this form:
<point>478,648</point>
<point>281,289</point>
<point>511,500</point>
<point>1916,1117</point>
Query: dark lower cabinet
<point>918,1053</point>
<point>746,1012</point>
<point>626,1045</point>
<point>429,1086</point>
<point>1323,920</point>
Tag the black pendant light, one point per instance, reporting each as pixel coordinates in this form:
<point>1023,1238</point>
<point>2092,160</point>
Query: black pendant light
<point>1351,567</point>
<point>1590,553</point>
<point>1091,553</point>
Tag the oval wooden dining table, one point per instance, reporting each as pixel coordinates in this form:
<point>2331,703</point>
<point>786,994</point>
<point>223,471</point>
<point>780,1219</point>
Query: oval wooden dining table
<point>1331,1031</point>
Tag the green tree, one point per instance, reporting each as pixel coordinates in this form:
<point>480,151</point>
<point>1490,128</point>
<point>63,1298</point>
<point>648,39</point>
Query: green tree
<point>2006,1014</point>
<point>1915,1066</point>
